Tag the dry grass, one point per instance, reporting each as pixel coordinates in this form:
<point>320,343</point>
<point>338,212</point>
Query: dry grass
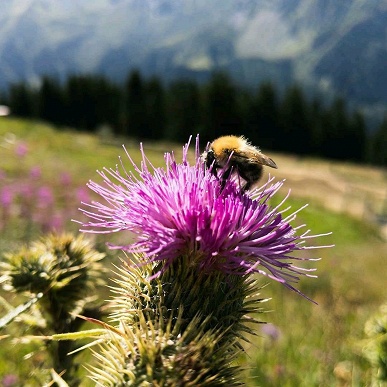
<point>353,189</point>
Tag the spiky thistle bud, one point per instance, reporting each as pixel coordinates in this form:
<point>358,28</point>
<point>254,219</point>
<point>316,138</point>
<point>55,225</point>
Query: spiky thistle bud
<point>64,271</point>
<point>374,348</point>
<point>168,335</point>
<point>64,268</point>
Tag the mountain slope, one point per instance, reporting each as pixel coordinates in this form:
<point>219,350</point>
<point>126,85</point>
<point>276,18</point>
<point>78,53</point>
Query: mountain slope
<point>333,45</point>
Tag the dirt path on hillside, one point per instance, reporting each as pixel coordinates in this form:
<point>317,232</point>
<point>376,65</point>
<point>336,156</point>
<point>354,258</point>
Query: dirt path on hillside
<point>360,191</point>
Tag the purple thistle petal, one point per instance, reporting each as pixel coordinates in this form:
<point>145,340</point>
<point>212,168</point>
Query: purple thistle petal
<point>36,172</point>
<point>183,211</point>
<point>21,149</point>
<point>6,196</point>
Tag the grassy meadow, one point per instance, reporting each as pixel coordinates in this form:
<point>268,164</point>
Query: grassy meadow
<point>308,344</point>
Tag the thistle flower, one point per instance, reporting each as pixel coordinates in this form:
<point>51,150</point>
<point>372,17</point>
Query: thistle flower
<point>6,196</point>
<point>21,149</point>
<point>182,211</point>
<point>191,297</point>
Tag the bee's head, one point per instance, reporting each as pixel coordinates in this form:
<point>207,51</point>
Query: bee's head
<point>209,158</point>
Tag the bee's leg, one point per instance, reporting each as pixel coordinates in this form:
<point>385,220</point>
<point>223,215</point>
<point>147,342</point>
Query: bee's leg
<point>247,186</point>
<point>225,176</point>
<point>243,175</point>
<point>213,167</point>
<point>251,175</point>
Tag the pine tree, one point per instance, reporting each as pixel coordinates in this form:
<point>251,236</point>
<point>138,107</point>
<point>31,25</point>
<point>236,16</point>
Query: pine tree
<point>379,145</point>
<point>221,108</point>
<point>107,99</point>
<point>263,117</point>
<point>295,133</point>
<point>77,106</point>
<point>136,113</point>
<point>22,100</point>
<point>316,119</point>
<point>336,131</point>
<point>184,112</point>
<point>156,110</point>
<point>51,101</point>
<point>357,139</point>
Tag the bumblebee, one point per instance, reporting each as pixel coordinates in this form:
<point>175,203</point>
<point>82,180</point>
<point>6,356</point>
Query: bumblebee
<point>236,154</point>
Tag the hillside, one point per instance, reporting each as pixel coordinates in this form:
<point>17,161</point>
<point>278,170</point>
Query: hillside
<point>349,289</point>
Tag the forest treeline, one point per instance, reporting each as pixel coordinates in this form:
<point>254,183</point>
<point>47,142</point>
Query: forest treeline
<point>148,109</point>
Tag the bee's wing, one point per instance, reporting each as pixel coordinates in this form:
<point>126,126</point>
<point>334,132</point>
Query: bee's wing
<point>265,160</point>
<point>255,157</point>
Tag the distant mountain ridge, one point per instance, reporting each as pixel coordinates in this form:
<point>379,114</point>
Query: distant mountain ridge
<point>329,45</point>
